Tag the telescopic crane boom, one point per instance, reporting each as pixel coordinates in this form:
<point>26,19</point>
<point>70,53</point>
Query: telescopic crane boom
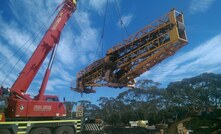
<point>140,52</point>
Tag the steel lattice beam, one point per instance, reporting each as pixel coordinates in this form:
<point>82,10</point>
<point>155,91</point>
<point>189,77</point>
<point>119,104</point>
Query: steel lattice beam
<point>140,52</point>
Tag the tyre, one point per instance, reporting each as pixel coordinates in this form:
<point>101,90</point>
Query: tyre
<point>64,130</point>
<point>41,130</point>
<point>4,131</point>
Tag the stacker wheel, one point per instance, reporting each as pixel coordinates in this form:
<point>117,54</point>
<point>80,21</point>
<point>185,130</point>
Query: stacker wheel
<point>4,131</point>
<point>41,130</point>
<point>64,130</point>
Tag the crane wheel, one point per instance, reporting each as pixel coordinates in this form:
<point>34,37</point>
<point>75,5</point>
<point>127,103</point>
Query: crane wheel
<point>4,131</point>
<point>41,130</point>
<point>64,130</point>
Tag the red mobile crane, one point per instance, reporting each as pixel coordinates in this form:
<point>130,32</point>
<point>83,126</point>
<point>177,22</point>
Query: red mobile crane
<point>21,104</point>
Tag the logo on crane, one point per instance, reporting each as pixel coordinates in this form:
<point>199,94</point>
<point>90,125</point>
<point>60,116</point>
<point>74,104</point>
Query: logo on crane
<point>42,108</point>
<point>22,107</point>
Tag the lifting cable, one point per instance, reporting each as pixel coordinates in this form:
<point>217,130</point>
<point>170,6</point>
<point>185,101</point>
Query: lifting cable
<point>123,27</point>
<point>32,39</point>
<point>102,33</point>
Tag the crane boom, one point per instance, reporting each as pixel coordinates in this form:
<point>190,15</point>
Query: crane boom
<point>141,51</point>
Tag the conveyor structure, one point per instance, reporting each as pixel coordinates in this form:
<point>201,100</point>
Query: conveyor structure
<point>136,55</point>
